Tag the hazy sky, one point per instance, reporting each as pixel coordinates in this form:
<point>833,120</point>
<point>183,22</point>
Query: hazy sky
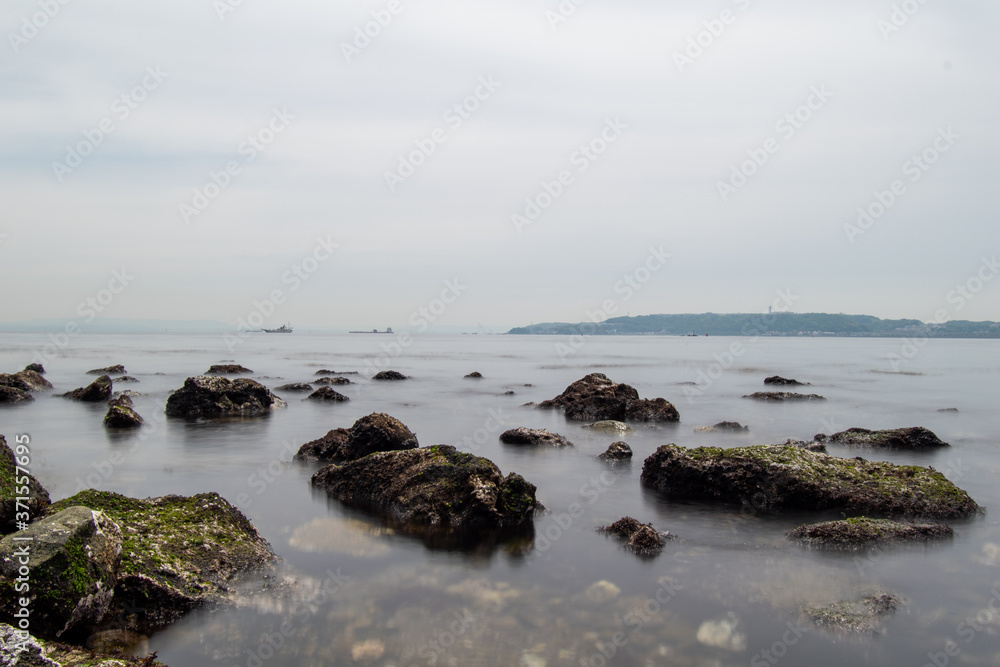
<point>308,115</point>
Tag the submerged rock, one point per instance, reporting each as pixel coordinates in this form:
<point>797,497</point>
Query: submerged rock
<point>377,432</point>
<point>778,396</point>
<point>952,410</point>
<point>723,633</point>
<point>227,369</point>
<point>862,532</point>
<point>778,380</point>
<point>177,553</point>
<point>327,395</point>
<point>295,387</point>
<point>730,427</point>
<point>389,376</point>
<point>14,485</point>
<point>640,538</point>
<point>862,616</point>
<point>12,395</point>
<point>610,426</point>
<point>914,438</point>
<point>74,560</point>
<point>210,397</point>
<point>438,493</point>
<point>533,437</point>
<point>117,369</point>
<point>98,391</point>
<point>597,398</point>
<point>331,381</point>
<point>784,476</point>
<point>617,452</point>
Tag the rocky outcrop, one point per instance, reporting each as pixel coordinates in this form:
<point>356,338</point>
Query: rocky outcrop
<point>780,396</point>
<point>12,395</point>
<point>327,395</point>
<point>864,616</point>
<point>218,397</point>
<point>474,375</point>
<point>778,380</point>
<point>26,380</point>
<point>377,432</point>
<point>117,369</point>
<point>597,398</point>
<point>174,554</point>
<point>610,426</point>
<point>728,427</point>
<point>640,538</point>
<point>332,381</point>
<point>789,477</point>
<point>295,387</point>
<point>389,376</point>
<point>914,438</point>
<point>617,452</point>
<point>14,485</point>
<point>533,438</point>
<point>864,533</point>
<point>121,415</point>
<point>446,497</point>
<point>227,369</point>
<point>98,391</point>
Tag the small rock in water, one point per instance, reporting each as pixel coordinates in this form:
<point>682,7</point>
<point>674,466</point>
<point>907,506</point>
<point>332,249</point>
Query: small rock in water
<point>328,381</point>
<point>389,376</point>
<point>862,616</point>
<point>721,633</point>
<point>602,591</point>
<point>955,410</point>
<point>777,379</point>
<point>781,396</point>
<point>98,391</point>
<point>723,426</point>
<point>327,395</point>
<point>225,369</point>
<point>642,539</point>
<point>368,650</point>
<point>610,426</point>
<point>617,452</point>
<point>295,386</point>
<point>126,378</point>
<point>913,438</point>
<point>117,369</point>
<point>475,375</point>
<point>37,368</point>
<point>530,436</point>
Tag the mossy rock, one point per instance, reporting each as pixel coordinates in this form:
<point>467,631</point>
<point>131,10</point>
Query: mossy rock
<point>97,391</point>
<point>913,438</point>
<point>219,397</point>
<point>863,532</point>
<point>864,616</point>
<point>10,491</point>
<point>44,653</point>
<point>774,477</point>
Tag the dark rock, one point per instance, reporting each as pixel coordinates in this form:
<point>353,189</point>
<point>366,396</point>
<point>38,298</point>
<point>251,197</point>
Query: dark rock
<point>227,369</point>
<point>121,415</point>
<point>533,437</point>
<point>213,397</point>
<point>953,410</point>
<point>126,378</point>
<point>295,387</point>
<point>597,398</point>
<point>509,392</point>
<point>776,396</point>
<point>863,533</point>
<point>475,375</point>
<point>446,497</point>
<point>809,446</point>
<point>37,368</point>
<point>329,372</point>
<point>640,538</point>
<point>731,427</point>
<point>328,381</point>
<point>178,553</point>
<point>12,395</point>
<point>117,369</point>
<point>26,380</point>
<point>777,379</point>
<point>914,438</point>
<point>121,399</point>
<point>617,451</point>
<point>98,391</point>
<point>862,616</point>
<point>328,395</point>
<point>326,449</point>
<point>12,484</point>
<point>125,393</point>
<point>34,651</point>
<point>389,376</point>
<point>782,476</point>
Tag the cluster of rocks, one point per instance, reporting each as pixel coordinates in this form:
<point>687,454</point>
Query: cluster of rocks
<point>639,538</point>
<point>18,387</point>
<point>215,397</point>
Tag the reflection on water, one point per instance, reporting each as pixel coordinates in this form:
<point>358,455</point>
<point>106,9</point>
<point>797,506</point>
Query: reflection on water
<point>354,590</point>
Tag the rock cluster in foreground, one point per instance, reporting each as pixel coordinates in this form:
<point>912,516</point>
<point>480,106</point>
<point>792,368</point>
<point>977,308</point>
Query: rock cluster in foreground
<point>786,476</point>
<point>597,398</point>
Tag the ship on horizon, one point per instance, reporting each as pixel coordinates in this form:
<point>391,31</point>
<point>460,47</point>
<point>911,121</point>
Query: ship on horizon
<point>284,328</point>
<point>373,331</point>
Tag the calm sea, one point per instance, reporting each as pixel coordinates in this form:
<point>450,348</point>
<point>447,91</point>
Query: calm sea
<point>724,592</point>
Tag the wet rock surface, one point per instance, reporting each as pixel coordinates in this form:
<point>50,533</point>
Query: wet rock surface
<point>26,380</point>
<point>474,375</point>
<point>610,426</point>
<point>117,369</point>
<point>783,396</point>
<point>640,538</point>
<point>864,616</point>
<point>914,438</point>
<point>325,449</point>
<point>863,533</point>
<point>126,378</point>
<point>227,369</point>
<point>295,387</point>
<point>98,391</point>
<point>377,432</point>
<point>332,381</point>
<point>215,397</point>
<point>778,380</point>
<point>783,476</point>
<point>121,415</point>
<point>389,376</point>
<point>327,395</point>
<point>11,484</point>
<point>617,452</point>
<point>533,438</point>
<point>597,398</point>
<point>13,396</point>
<point>37,368</point>
<point>726,427</point>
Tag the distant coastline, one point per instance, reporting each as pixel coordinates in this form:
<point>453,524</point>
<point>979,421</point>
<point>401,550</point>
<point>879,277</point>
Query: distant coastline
<point>766,324</point>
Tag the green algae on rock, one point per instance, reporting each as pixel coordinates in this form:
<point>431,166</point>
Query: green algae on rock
<point>863,532</point>
<point>377,432</point>
<point>30,651</point>
<point>790,477</point>
<point>862,616</point>
<point>14,485</point>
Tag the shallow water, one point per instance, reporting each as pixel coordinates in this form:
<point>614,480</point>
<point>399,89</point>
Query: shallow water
<point>720,594</point>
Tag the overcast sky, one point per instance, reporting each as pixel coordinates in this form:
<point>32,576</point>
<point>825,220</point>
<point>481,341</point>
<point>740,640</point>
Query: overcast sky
<point>332,113</point>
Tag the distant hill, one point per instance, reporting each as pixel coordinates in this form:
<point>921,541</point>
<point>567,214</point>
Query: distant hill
<point>776,324</point>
